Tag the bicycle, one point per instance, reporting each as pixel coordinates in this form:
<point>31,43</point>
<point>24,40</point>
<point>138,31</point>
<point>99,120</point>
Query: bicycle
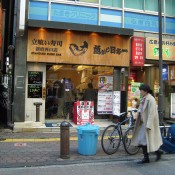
<point>113,135</point>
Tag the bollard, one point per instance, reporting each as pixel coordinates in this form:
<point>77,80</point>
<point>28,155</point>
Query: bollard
<point>37,104</point>
<point>64,140</point>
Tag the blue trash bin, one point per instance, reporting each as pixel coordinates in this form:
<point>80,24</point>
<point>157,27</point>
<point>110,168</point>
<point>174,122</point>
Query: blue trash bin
<point>88,139</point>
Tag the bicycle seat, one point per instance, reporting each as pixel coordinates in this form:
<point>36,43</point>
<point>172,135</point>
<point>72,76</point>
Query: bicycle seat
<point>121,114</point>
<point>133,110</point>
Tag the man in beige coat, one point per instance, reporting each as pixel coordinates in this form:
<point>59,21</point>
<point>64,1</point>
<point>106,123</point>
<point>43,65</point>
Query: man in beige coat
<point>147,132</point>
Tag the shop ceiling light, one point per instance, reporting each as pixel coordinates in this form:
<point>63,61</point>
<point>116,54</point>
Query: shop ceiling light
<point>147,65</point>
<point>55,67</point>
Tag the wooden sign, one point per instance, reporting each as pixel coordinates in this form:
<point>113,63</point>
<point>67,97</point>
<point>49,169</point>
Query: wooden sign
<point>63,46</point>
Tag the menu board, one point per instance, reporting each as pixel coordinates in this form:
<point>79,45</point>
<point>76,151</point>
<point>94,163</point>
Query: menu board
<point>35,84</point>
<point>35,77</point>
<point>105,87</point>
<point>34,91</point>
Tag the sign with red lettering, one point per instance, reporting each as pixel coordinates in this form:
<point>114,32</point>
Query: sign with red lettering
<point>138,51</point>
<point>83,112</point>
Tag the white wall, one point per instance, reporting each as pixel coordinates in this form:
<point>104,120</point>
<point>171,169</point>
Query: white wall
<point>30,108</point>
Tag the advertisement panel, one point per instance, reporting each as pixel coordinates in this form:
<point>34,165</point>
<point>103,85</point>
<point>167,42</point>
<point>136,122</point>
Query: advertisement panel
<point>134,94</point>
<point>83,112</point>
<point>152,49</point>
<point>138,51</point>
<point>105,94</point>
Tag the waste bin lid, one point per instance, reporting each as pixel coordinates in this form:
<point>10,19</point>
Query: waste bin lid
<point>88,128</point>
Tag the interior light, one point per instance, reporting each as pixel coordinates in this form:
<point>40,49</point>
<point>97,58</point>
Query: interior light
<point>146,65</point>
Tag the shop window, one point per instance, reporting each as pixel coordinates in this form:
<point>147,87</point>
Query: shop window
<point>112,3</point>
<point>138,4</point>
<point>68,83</point>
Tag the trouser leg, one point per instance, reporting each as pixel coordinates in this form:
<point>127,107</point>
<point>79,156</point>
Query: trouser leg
<point>158,154</point>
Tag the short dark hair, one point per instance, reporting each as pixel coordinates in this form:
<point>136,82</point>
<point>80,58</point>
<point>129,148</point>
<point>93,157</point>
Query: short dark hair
<point>144,87</point>
<point>90,85</point>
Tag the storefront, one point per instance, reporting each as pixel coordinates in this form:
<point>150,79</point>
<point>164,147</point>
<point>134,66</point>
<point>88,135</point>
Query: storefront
<point>57,57</point>
<point>149,72</point>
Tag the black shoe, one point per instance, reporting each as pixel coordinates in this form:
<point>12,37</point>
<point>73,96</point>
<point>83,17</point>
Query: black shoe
<point>158,155</point>
<point>144,160</point>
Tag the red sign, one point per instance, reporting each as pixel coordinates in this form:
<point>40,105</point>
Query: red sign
<point>132,76</point>
<point>138,51</point>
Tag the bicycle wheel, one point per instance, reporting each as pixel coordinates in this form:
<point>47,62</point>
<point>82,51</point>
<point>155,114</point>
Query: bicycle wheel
<point>110,140</point>
<point>130,149</point>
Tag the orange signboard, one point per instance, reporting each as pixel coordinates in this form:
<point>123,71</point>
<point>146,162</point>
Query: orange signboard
<point>64,46</point>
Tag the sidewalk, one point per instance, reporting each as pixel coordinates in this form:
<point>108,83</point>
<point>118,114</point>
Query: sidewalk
<point>102,123</point>
<point>25,149</point>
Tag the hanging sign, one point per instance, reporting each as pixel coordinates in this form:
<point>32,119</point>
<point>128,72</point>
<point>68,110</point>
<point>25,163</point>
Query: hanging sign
<point>138,51</point>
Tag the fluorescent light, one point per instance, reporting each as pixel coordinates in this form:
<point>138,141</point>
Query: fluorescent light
<point>22,17</point>
<point>146,65</point>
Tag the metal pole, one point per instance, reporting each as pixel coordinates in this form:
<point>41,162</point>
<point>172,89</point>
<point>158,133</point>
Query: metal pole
<point>10,121</point>
<point>160,98</point>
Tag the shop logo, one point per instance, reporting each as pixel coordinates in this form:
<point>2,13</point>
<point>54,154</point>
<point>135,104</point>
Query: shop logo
<point>78,50</point>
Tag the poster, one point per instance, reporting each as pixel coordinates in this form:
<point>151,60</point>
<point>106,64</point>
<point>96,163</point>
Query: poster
<point>134,93</point>
<point>105,94</point>
<point>104,105</point>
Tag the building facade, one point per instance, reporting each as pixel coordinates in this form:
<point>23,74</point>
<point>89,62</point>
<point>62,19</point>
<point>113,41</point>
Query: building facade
<point>83,42</point>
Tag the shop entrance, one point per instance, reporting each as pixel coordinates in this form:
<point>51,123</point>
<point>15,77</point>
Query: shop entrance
<point>66,84</point>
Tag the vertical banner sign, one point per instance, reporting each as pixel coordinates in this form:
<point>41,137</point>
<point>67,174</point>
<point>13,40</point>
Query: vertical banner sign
<point>116,102</point>
<point>138,51</point>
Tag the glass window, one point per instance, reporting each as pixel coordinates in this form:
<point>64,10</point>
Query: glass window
<point>137,4</point>
<point>170,4</point>
<point>89,1</point>
<point>152,5</point>
<point>112,3</point>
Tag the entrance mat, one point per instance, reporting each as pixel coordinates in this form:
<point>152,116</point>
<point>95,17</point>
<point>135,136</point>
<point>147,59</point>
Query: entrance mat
<point>55,124</point>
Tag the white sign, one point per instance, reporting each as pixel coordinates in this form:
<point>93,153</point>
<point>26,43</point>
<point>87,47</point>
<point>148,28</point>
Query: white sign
<point>116,102</point>
<point>172,105</point>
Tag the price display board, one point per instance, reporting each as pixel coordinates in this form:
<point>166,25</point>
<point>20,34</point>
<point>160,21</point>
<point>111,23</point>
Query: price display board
<point>35,84</point>
<point>34,91</point>
<point>35,77</point>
